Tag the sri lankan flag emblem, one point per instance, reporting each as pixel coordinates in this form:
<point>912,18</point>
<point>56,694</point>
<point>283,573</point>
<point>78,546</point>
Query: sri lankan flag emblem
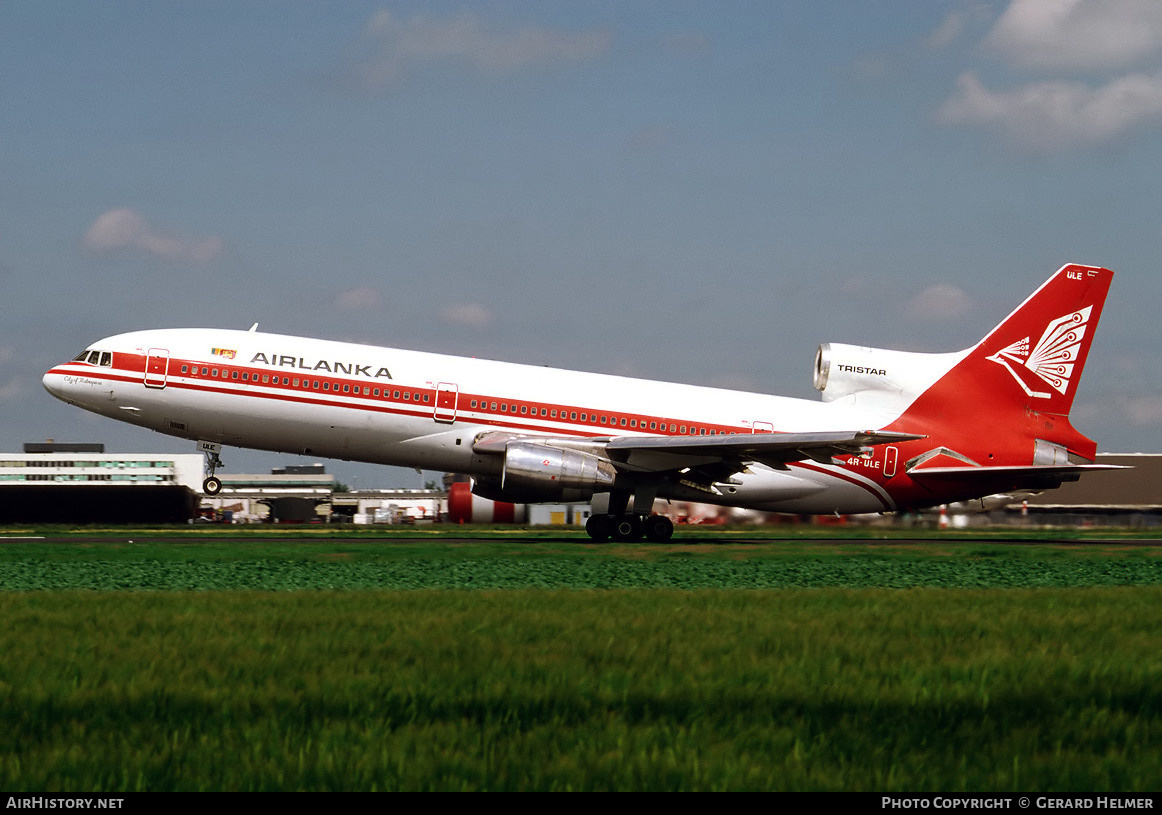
<point>223,352</point>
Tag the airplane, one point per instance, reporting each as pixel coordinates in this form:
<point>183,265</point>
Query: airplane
<point>894,430</point>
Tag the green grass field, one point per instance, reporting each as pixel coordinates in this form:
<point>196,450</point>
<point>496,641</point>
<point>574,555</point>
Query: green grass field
<point>510,662</point>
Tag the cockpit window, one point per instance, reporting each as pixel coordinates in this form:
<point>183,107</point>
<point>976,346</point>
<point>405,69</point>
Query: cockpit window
<point>102,358</point>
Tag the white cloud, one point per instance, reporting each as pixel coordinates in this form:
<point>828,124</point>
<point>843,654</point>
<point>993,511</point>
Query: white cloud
<point>473,315</point>
<point>397,45</point>
<point>1144,411</point>
<point>954,25</point>
<point>1057,115</point>
<point>939,302</point>
<point>10,389</point>
<point>360,299</point>
<point>122,229</point>
<point>1078,34</point>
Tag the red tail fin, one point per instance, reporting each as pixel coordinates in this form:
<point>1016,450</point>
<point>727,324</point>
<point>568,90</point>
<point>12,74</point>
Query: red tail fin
<point>1037,353</point>
<point>1009,396</point>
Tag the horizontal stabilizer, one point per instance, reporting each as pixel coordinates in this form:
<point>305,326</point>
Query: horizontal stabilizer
<point>1044,476</point>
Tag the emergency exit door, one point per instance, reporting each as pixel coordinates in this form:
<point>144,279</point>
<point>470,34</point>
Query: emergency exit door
<point>447,395</point>
<point>156,367</point>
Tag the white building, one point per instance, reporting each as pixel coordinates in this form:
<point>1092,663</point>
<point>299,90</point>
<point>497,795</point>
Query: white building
<point>80,464</point>
<point>81,483</point>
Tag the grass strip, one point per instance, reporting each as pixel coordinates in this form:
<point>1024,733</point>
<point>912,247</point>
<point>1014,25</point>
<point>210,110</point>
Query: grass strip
<point>822,689</point>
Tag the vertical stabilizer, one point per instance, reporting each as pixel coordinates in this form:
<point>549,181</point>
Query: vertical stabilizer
<point>1041,348</point>
<point>1008,398</point>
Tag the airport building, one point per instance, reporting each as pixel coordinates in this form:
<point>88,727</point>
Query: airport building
<point>81,483</point>
<point>1129,497</point>
<point>306,493</point>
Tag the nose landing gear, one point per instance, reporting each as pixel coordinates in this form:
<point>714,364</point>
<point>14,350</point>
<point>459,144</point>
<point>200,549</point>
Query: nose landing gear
<point>212,485</point>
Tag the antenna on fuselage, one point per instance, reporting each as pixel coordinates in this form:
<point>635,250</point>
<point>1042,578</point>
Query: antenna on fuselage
<point>253,328</point>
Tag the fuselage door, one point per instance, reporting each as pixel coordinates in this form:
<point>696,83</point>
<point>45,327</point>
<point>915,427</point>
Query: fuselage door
<point>891,453</point>
<point>156,367</point>
<point>762,427</point>
<point>447,395</point>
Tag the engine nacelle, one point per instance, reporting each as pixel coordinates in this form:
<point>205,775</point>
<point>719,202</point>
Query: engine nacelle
<point>534,473</point>
<point>877,377</point>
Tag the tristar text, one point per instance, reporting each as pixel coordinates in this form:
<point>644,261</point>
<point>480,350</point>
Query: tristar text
<point>859,369</point>
<point>299,363</point>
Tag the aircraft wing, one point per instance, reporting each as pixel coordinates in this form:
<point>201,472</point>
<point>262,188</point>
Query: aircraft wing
<point>645,454</point>
<point>662,453</point>
<point>703,461</point>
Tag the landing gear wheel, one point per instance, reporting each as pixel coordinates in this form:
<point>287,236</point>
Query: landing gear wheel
<point>658,528</point>
<point>599,528</point>
<point>627,528</point>
<point>212,485</point>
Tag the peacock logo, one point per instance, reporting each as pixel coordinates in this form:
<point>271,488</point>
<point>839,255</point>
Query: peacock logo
<point>1051,360</point>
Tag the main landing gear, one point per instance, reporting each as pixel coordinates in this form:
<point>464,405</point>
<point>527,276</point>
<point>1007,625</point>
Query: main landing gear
<point>212,485</point>
<point>629,526</point>
<point>626,514</point>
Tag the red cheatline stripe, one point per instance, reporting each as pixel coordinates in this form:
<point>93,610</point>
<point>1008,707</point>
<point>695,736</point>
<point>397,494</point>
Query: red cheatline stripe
<point>844,476</point>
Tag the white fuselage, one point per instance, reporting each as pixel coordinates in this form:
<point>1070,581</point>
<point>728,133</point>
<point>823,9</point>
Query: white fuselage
<point>423,410</point>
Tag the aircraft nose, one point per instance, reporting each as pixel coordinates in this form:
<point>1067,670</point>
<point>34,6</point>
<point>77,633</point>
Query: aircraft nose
<point>52,383</point>
<point>56,383</point>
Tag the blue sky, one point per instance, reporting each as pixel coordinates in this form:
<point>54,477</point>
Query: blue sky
<point>692,191</point>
